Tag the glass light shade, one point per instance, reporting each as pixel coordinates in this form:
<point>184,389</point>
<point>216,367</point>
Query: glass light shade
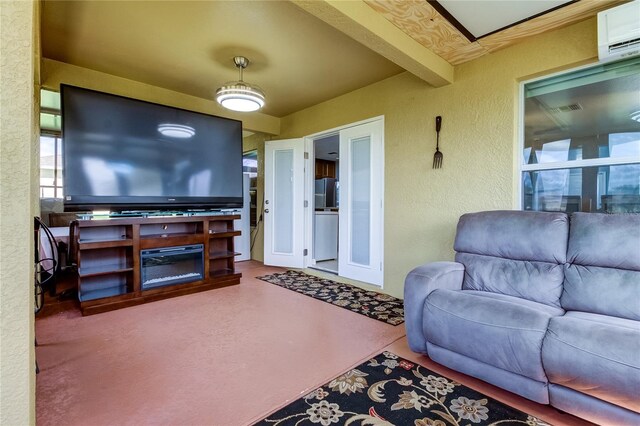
<point>240,96</point>
<point>176,130</point>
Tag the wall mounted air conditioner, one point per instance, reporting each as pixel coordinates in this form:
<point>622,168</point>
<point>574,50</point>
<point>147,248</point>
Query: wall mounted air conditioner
<point>619,32</point>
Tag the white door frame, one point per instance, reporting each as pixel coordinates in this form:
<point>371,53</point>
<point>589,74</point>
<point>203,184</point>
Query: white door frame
<point>310,187</point>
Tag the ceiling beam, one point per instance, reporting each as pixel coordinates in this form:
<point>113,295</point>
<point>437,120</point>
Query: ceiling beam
<point>365,25</point>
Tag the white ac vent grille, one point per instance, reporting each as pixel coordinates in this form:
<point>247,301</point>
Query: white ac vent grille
<point>629,44</point>
<point>565,108</point>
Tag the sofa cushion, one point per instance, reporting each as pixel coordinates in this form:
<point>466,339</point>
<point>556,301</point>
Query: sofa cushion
<point>595,354</point>
<point>537,281</point>
<point>513,234</point>
<point>499,330</point>
<point>514,253</point>
<point>603,274</point>
<point>608,240</point>
<point>604,291</point>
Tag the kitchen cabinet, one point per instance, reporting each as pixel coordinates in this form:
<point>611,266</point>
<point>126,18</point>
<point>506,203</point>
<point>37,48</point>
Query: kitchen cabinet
<point>325,169</point>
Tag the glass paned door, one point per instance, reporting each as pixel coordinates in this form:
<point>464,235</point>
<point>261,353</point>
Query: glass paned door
<point>361,210</point>
<point>283,203</point>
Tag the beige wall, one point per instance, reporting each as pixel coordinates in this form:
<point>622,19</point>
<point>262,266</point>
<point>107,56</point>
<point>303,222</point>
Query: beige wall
<point>54,73</point>
<point>19,53</point>
<point>478,140</point>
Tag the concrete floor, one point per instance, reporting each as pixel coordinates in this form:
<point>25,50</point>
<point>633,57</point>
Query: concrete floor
<point>223,357</point>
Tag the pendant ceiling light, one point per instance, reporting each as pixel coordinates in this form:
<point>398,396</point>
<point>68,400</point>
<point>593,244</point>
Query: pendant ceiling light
<point>239,95</point>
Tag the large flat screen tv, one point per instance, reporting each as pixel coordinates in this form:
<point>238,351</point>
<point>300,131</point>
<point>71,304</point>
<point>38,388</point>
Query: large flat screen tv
<point>125,154</point>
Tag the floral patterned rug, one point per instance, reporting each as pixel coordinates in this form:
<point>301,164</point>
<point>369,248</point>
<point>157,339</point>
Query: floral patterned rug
<point>379,306</point>
<point>389,390</point>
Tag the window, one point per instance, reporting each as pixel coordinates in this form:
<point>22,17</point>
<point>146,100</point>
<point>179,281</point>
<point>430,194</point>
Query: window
<point>581,148</point>
<point>50,145</point>
<point>250,165</point>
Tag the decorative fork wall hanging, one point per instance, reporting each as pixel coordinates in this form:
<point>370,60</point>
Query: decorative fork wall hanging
<point>437,157</point>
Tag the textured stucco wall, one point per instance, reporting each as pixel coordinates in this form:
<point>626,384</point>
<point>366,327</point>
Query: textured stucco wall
<point>478,139</point>
<point>18,146</point>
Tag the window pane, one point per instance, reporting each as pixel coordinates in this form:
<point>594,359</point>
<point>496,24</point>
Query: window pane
<point>50,121</point>
<point>587,114</point>
<point>610,189</point>
<point>283,202</point>
<point>250,163</point>
<point>47,192</point>
<point>49,99</point>
<point>360,193</point>
<point>59,151</point>
<point>47,160</point>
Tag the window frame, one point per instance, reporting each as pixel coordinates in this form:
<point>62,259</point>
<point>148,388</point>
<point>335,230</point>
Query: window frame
<point>569,164</point>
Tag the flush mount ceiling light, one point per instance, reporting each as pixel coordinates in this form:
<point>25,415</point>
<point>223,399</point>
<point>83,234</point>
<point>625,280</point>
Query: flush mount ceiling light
<point>239,95</point>
<point>176,130</point>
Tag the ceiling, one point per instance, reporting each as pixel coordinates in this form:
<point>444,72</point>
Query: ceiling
<point>297,58</point>
<point>327,148</point>
<point>188,47</point>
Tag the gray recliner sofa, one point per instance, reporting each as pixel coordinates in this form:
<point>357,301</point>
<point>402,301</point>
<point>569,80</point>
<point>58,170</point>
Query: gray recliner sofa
<point>545,305</point>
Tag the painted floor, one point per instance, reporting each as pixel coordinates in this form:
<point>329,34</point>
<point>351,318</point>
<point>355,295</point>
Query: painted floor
<point>223,357</point>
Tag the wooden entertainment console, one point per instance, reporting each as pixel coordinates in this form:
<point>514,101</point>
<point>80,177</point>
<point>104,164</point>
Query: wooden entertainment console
<point>111,255</point>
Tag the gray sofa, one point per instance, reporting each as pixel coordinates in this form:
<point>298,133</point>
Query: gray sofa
<point>545,305</point>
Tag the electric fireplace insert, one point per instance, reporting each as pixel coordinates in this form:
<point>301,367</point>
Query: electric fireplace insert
<point>171,265</point>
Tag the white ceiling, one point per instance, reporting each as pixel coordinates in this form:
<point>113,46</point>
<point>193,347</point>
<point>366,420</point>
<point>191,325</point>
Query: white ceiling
<point>482,17</point>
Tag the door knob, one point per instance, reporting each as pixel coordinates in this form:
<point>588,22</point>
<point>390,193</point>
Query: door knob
<point>266,210</point>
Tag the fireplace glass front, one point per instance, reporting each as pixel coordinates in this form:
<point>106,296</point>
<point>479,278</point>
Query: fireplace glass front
<point>171,265</point>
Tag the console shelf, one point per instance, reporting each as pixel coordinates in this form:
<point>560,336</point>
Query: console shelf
<point>88,245</point>
<point>223,255</point>
<point>101,270</point>
<point>110,259</point>
<point>224,234</point>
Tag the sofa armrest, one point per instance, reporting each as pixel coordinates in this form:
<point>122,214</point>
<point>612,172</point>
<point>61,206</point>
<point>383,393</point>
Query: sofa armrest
<point>419,283</point>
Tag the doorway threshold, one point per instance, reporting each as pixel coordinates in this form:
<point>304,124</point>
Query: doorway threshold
<point>330,266</point>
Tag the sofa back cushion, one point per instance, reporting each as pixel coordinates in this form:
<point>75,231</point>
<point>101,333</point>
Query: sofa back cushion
<point>602,274</point>
<point>518,253</point>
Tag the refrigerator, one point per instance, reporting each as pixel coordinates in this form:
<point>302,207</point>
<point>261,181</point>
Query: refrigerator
<point>325,193</point>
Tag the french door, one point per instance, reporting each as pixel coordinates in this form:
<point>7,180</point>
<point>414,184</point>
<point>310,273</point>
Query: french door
<point>361,177</point>
<point>361,203</point>
<point>283,203</point>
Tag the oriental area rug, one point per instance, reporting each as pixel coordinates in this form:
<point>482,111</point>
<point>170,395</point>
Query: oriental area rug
<point>379,306</point>
<point>388,390</point>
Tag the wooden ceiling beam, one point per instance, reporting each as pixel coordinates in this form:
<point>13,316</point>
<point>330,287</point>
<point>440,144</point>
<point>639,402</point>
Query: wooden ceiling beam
<point>365,25</point>
<point>423,23</point>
